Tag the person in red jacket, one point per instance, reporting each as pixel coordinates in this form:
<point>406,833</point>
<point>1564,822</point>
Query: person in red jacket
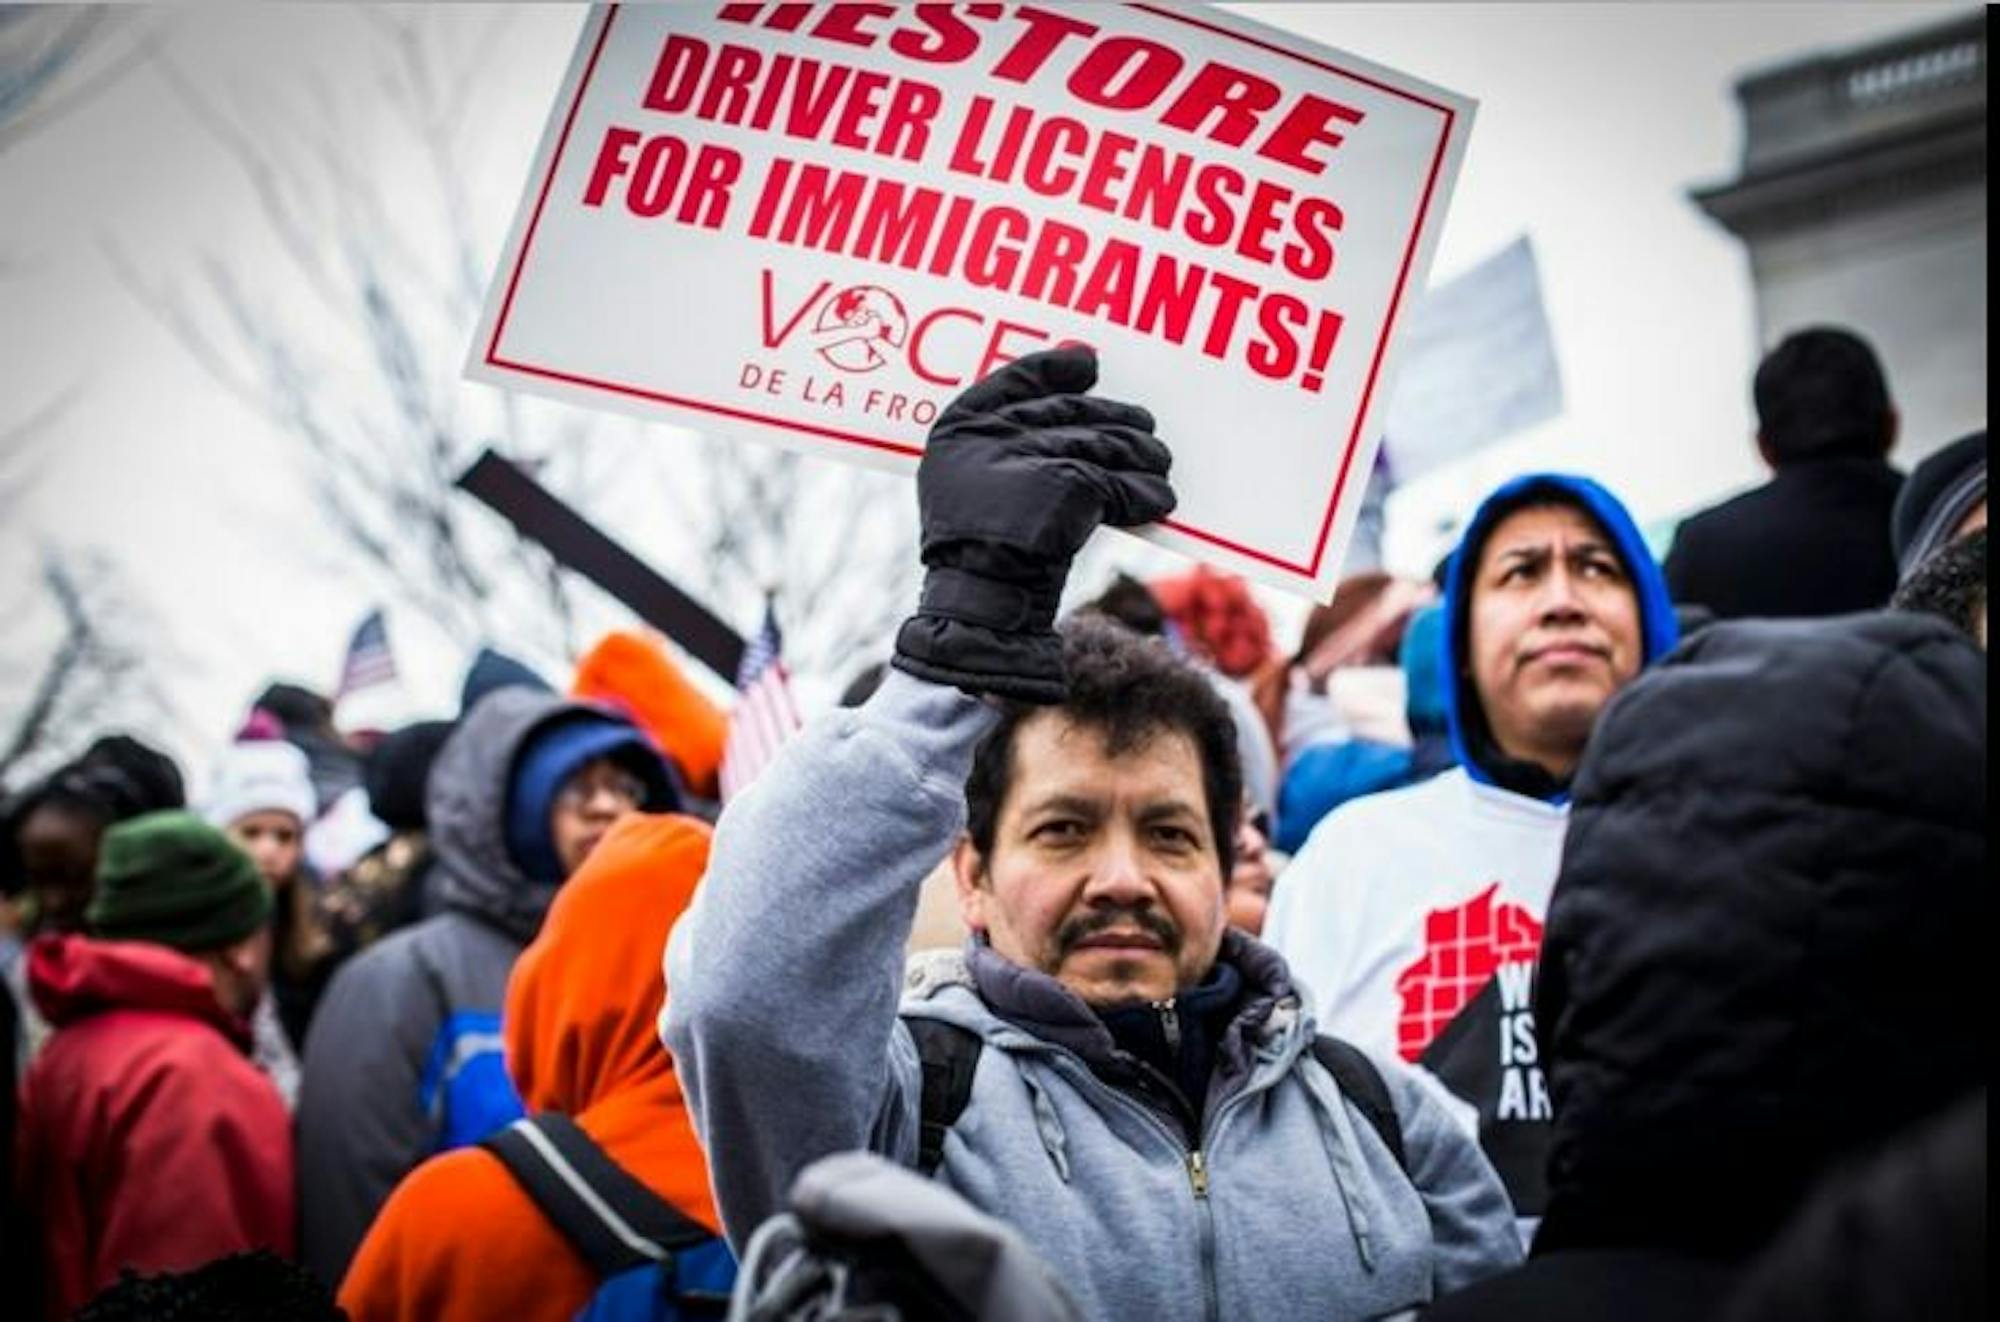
<point>147,1138</point>
<point>460,1240</point>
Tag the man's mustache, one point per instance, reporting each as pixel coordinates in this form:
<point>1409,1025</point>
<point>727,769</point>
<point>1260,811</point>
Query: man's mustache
<point>1150,921</point>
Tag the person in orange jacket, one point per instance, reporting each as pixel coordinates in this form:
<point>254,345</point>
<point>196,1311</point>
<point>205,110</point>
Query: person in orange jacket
<point>460,1239</point>
<point>632,673</point>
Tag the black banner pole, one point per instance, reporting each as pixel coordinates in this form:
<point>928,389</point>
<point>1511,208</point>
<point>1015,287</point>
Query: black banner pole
<point>577,544</point>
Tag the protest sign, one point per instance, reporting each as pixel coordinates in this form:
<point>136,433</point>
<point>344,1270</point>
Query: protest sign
<point>814,225</point>
<point>1479,365</point>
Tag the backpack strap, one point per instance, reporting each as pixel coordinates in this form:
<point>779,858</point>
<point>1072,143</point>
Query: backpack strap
<point>608,1216</point>
<point>1362,1084</point>
<point>949,1054</point>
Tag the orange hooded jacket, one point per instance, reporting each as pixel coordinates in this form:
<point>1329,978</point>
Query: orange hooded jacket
<point>459,1240</point>
<point>633,673</point>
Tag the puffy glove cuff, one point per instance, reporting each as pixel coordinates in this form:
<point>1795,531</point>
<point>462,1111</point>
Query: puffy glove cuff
<point>1026,667</point>
<point>987,635</point>
<point>969,598</point>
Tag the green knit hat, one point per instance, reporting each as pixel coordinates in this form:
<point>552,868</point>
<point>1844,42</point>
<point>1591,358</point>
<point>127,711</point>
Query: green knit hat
<point>171,878</point>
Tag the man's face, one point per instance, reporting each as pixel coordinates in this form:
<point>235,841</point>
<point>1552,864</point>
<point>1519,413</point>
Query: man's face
<point>1249,891</point>
<point>274,842</point>
<point>241,972</point>
<point>597,794</point>
<point>1104,872</point>
<point>1554,632</point>
<point>59,861</point>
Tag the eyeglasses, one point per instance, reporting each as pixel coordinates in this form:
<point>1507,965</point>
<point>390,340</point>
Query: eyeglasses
<point>586,785</point>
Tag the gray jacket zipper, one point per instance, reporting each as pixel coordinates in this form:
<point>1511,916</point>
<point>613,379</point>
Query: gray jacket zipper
<point>1205,1218</point>
<point>1194,1160</point>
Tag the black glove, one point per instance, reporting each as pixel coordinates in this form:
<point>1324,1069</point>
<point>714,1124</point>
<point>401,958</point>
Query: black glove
<point>1018,472</point>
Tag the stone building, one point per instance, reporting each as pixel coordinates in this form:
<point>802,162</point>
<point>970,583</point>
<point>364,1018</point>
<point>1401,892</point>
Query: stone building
<point>1862,200</point>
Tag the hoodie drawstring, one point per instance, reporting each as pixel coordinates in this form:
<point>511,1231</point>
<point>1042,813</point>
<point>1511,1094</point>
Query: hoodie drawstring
<point>1048,1126</point>
<point>1337,1136</point>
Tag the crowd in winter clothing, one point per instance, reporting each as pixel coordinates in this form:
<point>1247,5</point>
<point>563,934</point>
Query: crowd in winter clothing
<point>1565,934</point>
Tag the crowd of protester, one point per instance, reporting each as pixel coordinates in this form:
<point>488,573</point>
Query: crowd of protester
<point>1564,934</point>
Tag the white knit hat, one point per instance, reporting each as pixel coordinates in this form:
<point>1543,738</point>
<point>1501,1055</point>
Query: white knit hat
<point>263,775</point>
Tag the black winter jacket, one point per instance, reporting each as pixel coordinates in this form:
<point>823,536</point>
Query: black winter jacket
<point>1769,932</point>
<point>1812,541</point>
<point>1765,950</point>
<point>1898,1238</point>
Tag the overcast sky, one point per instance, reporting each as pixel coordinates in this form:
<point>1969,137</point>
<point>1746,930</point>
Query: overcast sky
<point>1594,121</point>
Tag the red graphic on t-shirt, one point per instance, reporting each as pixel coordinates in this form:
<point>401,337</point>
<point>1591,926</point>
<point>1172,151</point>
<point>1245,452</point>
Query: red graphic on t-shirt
<point>1463,949</point>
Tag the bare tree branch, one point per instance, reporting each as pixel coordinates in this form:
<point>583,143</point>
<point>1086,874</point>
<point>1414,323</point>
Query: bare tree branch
<point>366,383</point>
<point>58,674</point>
<point>94,673</point>
<point>43,73</point>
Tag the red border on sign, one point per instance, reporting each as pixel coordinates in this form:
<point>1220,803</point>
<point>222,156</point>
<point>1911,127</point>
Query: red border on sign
<point>1310,569</point>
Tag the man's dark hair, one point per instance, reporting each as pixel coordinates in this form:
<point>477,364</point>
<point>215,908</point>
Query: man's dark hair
<point>1950,583</point>
<point>1132,604</point>
<point>1129,689</point>
<point>296,707</point>
<point>1821,395</point>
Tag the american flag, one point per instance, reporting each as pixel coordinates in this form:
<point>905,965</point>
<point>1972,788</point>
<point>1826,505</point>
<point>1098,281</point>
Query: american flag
<point>765,716</point>
<point>369,661</point>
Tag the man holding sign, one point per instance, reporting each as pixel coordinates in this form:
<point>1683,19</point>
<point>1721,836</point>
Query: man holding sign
<point>1137,1088</point>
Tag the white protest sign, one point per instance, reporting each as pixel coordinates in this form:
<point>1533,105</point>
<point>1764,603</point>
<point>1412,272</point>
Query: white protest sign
<point>1479,364</point>
<point>814,225</point>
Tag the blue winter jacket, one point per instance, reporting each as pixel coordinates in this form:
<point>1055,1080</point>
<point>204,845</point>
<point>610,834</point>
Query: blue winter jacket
<point>1324,776</point>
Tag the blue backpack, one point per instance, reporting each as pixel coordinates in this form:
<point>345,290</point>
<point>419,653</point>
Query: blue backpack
<point>652,1261</point>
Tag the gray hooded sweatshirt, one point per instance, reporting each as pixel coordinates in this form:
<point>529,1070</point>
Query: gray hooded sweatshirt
<point>783,1016</point>
<point>404,1056</point>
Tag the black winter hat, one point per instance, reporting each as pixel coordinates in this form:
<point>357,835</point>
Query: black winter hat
<point>297,708</point>
<point>126,776</point>
<point>115,778</point>
<point>1940,492</point>
<point>492,670</point>
<point>397,769</point>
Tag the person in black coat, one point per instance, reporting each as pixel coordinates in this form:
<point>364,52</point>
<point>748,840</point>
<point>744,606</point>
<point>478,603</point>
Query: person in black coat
<point>1900,1237</point>
<point>1814,540</point>
<point>1762,956</point>
<point>1944,500</point>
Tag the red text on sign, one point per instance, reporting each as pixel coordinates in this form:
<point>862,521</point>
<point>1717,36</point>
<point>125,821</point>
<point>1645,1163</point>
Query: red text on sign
<point>660,170</point>
<point>946,346</point>
<point>1004,249</point>
<point>1132,74</point>
<point>858,109</point>
<point>1211,203</point>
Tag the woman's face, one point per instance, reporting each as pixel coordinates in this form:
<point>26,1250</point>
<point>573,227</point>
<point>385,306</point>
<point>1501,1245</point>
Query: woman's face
<point>58,844</point>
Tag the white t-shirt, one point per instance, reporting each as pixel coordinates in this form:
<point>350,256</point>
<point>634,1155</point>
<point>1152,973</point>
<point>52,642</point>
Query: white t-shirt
<point>1412,919</point>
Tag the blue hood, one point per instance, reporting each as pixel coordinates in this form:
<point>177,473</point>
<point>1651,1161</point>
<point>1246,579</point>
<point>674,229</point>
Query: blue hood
<point>1658,630</point>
